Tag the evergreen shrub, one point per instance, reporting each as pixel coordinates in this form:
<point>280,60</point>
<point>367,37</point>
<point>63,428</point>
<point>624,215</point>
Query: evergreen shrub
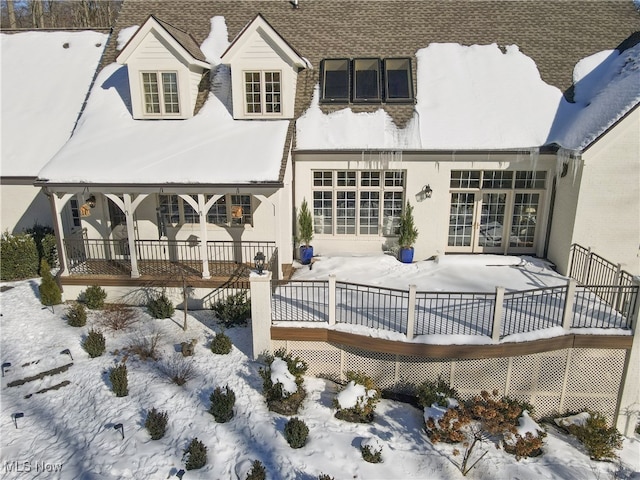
<point>222,402</point>
<point>77,315</point>
<point>50,293</point>
<point>94,297</point>
<point>296,432</point>
<point>196,455</point>
<point>278,400</point>
<point>156,423</point>
<point>233,310</point>
<point>221,344</point>
<point>257,472</point>
<point>160,307</point>
<point>599,439</point>
<point>94,344</point>
<point>430,393</point>
<point>370,454</point>
<point>19,257</point>
<point>45,241</point>
<point>119,381</point>
<point>362,411</point>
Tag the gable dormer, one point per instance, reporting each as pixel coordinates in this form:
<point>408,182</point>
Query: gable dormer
<point>165,66</point>
<point>264,71</point>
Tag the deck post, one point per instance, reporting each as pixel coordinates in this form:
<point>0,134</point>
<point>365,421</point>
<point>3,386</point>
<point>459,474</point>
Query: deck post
<point>131,235</point>
<point>628,412</point>
<point>332,300</point>
<point>411,312</point>
<point>58,206</point>
<point>570,295</point>
<point>260,312</point>
<point>497,315</point>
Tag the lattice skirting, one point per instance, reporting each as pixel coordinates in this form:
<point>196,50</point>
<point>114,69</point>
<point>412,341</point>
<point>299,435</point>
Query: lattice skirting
<point>553,382</point>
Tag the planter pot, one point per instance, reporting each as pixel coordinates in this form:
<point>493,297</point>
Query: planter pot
<point>306,254</point>
<point>406,255</point>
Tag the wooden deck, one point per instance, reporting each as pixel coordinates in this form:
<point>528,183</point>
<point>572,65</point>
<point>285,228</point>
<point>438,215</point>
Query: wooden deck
<point>112,273</point>
<point>412,349</point>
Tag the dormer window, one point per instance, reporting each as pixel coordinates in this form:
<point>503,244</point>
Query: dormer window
<point>369,80</point>
<point>263,93</point>
<point>160,93</point>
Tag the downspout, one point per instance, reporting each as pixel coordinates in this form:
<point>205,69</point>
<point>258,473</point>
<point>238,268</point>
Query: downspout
<point>552,203</point>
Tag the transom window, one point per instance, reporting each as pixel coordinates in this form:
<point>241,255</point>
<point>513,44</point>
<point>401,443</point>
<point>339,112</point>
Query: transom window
<point>263,93</point>
<point>366,80</point>
<point>227,210</point>
<point>498,179</point>
<point>350,202</point>
<point>160,93</point>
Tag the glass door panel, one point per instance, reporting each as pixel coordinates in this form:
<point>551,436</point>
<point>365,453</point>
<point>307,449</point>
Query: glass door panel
<point>492,218</point>
<point>461,220</point>
<point>524,222</point>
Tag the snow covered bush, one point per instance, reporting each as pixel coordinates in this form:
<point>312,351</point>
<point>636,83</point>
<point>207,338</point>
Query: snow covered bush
<point>430,393</point>
<point>221,344</point>
<point>233,310</point>
<point>160,307</point>
<point>324,476</point>
<point>119,381</point>
<point>527,441</point>
<point>156,423</point>
<point>592,430</point>
<point>222,402</point>
<point>445,424</point>
<point>77,315</point>
<point>357,400</point>
<point>145,345</point>
<point>94,297</point>
<point>178,369</point>
<point>371,450</point>
<point>498,415</point>
<point>196,455</point>
<point>282,382</point>
<point>94,343</point>
<point>296,432</point>
<point>257,472</point>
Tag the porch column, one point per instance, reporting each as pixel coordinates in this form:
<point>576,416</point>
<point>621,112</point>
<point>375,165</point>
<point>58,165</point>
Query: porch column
<point>129,207</point>
<point>262,198</point>
<point>58,205</point>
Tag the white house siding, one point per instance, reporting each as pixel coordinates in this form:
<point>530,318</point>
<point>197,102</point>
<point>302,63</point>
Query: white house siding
<point>154,55</point>
<point>608,208</point>
<point>22,206</point>
<point>431,214</point>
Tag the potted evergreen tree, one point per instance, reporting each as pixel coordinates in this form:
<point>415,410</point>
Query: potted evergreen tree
<point>305,233</point>
<point>408,234</point>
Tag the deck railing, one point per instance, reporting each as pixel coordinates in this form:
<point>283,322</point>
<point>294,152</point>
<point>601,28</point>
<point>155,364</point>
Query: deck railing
<point>158,257</point>
<point>496,314</point>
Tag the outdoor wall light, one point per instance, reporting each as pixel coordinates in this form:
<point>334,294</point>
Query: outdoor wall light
<point>424,193</point>
<point>91,201</point>
<point>5,366</point>
<point>259,260</point>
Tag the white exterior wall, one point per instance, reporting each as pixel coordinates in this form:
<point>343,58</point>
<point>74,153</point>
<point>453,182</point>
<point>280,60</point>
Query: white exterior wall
<point>608,207</point>
<point>432,214</point>
<point>154,55</point>
<point>258,55</point>
<point>22,206</point>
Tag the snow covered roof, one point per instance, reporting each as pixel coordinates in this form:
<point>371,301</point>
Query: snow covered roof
<point>45,80</point>
<point>488,75</point>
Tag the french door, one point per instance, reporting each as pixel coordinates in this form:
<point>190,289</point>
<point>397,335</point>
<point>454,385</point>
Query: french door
<point>493,222</point>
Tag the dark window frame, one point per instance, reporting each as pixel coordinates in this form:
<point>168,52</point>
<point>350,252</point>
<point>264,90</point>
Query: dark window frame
<point>411,95</point>
<point>323,81</point>
<point>355,97</point>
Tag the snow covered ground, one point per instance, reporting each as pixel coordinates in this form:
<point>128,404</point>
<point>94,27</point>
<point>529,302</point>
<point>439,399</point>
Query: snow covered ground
<point>69,433</point>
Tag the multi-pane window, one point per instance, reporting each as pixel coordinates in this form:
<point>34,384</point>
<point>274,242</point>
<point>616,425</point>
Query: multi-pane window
<point>523,224</point>
<point>263,93</point>
<point>160,91</point>
<point>498,179</point>
<point>465,179</point>
<point>366,80</point>
<point>75,212</point>
<point>227,210</point>
<point>350,202</point>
